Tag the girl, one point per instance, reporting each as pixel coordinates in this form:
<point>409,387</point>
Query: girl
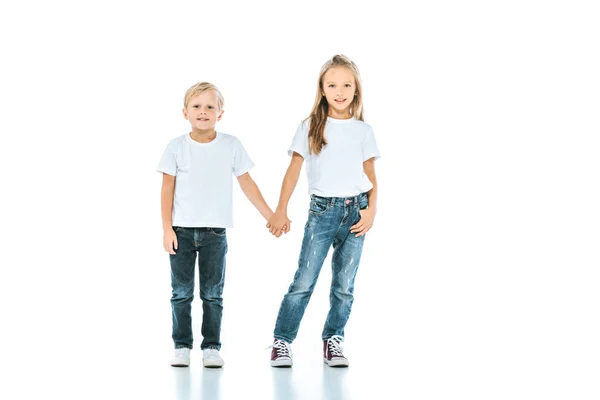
<point>340,150</point>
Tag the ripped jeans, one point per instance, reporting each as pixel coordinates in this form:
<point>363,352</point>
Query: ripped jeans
<point>329,222</point>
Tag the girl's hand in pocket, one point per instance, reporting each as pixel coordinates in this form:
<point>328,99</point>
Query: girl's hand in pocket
<point>367,216</point>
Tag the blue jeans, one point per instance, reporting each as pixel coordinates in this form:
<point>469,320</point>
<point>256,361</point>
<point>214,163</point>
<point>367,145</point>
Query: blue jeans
<point>329,222</point>
<point>210,245</point>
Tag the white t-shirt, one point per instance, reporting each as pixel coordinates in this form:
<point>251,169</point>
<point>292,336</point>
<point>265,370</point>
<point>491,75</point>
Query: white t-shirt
<point>338,170</point>
<point>203,179</point>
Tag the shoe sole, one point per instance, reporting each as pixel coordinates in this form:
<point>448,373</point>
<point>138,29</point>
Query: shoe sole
<point>336,363</point>
<point>213,365</point>
<point>282,364</point>
<point>180,365</point>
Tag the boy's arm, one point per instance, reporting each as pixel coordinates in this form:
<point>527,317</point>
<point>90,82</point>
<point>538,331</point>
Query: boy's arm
<point>166,205</point>
<point>279,221</point>
<point>367,216</point>
<point>253,194</point>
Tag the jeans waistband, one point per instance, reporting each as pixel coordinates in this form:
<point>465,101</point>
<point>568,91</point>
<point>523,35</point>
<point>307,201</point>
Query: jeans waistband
<point>342,201</point>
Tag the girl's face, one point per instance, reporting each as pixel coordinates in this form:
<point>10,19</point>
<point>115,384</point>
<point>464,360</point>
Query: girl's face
<point>339,88</point>
<point>203,111</point>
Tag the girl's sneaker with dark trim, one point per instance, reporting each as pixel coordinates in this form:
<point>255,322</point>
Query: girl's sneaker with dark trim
<point>332,352</point>
<point>281,354</point>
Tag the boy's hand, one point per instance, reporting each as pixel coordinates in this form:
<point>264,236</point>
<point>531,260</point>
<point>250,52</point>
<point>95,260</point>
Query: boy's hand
<point>279,223</point>
<point>367,217</point>
<point>170,241</point>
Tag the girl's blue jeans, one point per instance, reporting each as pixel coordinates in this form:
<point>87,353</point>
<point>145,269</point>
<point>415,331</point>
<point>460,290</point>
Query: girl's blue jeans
<point>329,222</point>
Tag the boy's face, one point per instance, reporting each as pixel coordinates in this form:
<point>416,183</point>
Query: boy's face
<point>339,88</point>
<point>203,111</point>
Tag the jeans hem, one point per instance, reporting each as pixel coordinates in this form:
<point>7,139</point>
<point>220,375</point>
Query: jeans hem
<point>211,347</point>
<point>283,339</point>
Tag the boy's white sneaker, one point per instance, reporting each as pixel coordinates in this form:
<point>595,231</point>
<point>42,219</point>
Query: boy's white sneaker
<point>212,359</point>
<point>181,357</point>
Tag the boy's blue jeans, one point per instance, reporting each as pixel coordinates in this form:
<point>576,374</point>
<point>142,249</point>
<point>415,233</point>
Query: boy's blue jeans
<point>329,222</point>
<point>209,246</point>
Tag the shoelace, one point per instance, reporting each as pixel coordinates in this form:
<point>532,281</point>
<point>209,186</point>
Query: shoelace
<point>212,353</point>
<point>282,348</point>
<point>180,352</point>
<point>334,345</point>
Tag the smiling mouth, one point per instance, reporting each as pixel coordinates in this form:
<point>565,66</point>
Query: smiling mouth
<point>340,101</point>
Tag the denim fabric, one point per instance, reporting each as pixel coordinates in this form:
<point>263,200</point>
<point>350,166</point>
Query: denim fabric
<point>209,245</point>
<point>329,222</point>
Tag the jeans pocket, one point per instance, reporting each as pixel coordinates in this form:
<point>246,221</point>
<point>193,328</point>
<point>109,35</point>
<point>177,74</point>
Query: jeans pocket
<point>318,207</point>
<point>217,231</point>
<point>363,202</point>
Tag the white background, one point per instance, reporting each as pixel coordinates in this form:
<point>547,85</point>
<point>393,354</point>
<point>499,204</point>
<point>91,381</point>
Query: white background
<point>479,279</point>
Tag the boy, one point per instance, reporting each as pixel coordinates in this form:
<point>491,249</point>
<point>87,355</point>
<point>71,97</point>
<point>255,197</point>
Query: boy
<point>195,213</point>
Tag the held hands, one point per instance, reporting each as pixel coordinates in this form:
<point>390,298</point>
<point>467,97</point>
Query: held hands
<point>367,217</point>
<point>279,223</point>
<point>170,241</point>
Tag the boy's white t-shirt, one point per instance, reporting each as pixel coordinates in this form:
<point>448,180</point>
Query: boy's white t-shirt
<point>203,179</point>
<point>338,169</point>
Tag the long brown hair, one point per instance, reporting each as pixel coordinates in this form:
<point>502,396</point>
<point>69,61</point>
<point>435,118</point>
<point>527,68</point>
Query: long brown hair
<point>320,110</point>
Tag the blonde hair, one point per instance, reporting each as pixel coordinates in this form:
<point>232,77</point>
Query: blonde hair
<point>202,87</point>
<point>320,110</point>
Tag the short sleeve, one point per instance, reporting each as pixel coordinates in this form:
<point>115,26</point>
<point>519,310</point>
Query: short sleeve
<point>241,160</point>
<point>300,141</point>
<point>369,147</point>
<point>168,162</point>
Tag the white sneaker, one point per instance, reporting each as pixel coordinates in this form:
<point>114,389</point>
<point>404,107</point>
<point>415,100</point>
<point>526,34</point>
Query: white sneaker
<point>181,357</point>
<point>212,359</point>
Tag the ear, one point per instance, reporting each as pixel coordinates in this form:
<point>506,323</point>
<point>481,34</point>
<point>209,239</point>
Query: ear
<point>184,113</point>
<point>220,115</point>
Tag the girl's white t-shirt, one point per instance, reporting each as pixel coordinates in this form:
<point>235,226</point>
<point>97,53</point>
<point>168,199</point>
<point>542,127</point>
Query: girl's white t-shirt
<point>338,169</point>
<point>203,179</point>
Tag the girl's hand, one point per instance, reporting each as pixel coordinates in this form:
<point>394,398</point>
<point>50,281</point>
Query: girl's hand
<point>279,223</point>
<point>367,217</point>
<point>170,241</point>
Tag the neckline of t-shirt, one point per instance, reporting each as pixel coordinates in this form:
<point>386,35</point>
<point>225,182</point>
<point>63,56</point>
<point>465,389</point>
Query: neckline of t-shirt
<point>217,137</point>
<point>341,121</point>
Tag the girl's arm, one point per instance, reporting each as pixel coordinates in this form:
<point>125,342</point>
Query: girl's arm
<point>253,194</point>
<point>367,216</point>
<point>369,167</point>
<point>280,222</point>
<point>166,204</point>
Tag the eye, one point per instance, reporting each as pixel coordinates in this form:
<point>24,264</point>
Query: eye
<point>348,85</point>
<point>195,106</point>
<point>331,85</point>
